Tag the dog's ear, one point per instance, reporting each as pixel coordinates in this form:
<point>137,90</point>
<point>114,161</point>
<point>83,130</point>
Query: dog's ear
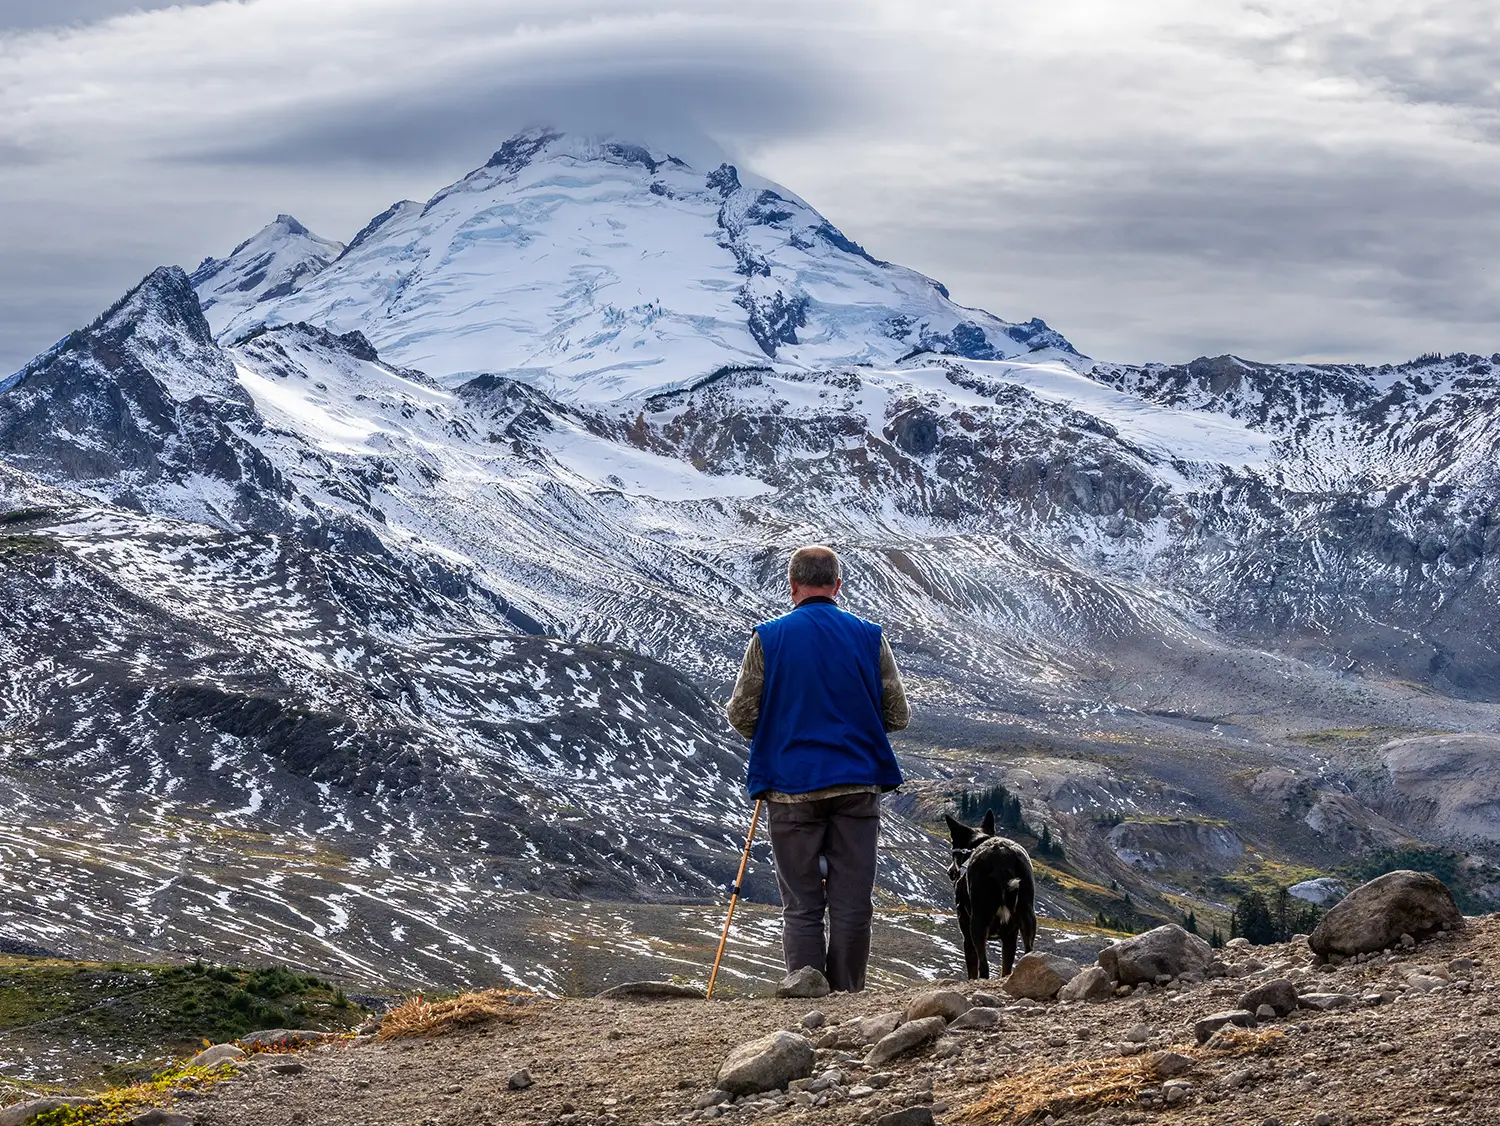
<point>962,835</point>
<point>987,826</point>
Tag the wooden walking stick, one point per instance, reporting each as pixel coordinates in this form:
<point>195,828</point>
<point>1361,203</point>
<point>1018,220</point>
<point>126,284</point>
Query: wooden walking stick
<point>734,897</point>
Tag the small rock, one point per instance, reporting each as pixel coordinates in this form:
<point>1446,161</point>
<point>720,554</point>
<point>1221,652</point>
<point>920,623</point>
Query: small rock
<point>880,1080</point>
<point>1462,965</point>
<point>977,1019</point>
<point>877,1027</point>
<point>814,1019</point>
<point>219,1053</point>
<point>1324,1002</point>
<point>160,1116</point>
<point>943,1003</point>
<point>1139,1034</point>
<point>766,1064</point>
<point>984,1000</point>
<point>519,1080</point>
<point>1408,942</point>
<point>1168,950</point>
<point>710,1098</point>
<point>452,1089</point>
<point>1176,1092</point>
<point>1265,1012</point>
<point>1039,976</point>
<point>1425,983</point>
<point>1170,1064</point>
<point>861,1091</point>
<point>1280,994</point>
<point>806,982</point>
<point>1323,1119</point>
<point>907,1116</point>
<point>910,1036</point>
<point>1240,1018</point>
<point>284,1067</point>
<point>1092,984</point>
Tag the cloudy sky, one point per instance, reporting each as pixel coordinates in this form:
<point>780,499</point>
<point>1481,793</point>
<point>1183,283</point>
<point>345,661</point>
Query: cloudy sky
<point>1281,179</point>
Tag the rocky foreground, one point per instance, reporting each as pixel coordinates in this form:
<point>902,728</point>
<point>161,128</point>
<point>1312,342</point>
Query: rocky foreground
<point>1407,1033</point>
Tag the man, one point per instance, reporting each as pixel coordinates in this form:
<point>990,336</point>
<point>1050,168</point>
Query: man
<point>816,693</point>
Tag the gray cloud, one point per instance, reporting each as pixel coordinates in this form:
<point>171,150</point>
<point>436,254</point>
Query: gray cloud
<point>1185,177</point>
<point>29,15</point>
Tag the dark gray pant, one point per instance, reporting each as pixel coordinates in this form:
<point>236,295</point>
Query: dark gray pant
<point>845,831</point>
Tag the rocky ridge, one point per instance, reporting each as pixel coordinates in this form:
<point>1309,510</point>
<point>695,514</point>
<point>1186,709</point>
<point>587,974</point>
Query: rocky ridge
<point>1396,1036</point>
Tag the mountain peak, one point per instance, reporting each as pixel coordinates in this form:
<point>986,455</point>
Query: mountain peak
<point>271,263</point>
<point>530,144</point>
<point>603,268</point>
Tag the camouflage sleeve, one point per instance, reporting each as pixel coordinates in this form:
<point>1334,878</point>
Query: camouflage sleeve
<point>744,705</point>
<point>895,711</point>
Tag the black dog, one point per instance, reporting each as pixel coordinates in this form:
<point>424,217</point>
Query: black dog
<point>996,894</point>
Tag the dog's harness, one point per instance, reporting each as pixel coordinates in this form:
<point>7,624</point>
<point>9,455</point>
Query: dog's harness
<point>957,871</point>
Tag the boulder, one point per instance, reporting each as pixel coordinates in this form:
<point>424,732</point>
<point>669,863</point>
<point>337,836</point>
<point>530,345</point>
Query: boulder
<point>219,1053</point>
<point>910,1036</point>
<point>20,1114</point>
<point>806,983</point>
<point>943,1003</point>
<point>651,991</point>
<point>1039,976</point>
<point>766,1064</point>
<point>1092,984</point>
<point>519,1080</point>
<point>813,1018</point>
<point>1280,994</point>
<point>1240,1018</point>
<point>1377,914</point>
<point>977,1019</point>
<point>1165,950</point>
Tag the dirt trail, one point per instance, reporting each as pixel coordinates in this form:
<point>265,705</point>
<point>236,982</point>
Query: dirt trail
<point>1425,1058</point>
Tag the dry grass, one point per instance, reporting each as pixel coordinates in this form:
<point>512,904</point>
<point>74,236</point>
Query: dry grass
<point>1244,1042</point>
<point>1029,1096</point>
<point>418,1017</point>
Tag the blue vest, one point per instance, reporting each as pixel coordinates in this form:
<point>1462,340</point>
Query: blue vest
<point>820,711</point>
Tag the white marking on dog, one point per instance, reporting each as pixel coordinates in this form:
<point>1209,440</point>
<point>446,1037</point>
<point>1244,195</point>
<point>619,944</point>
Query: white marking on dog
<point>1015,884</point>
<point>1002,916</point>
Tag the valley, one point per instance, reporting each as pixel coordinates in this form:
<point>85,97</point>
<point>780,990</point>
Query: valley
<point>366,608</point>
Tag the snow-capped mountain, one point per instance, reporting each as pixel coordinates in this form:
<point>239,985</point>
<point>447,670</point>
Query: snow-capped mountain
<point>269,264</point>
<point>417,564</point>
<point>600,270</point>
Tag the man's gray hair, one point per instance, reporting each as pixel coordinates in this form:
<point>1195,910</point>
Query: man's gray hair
<point>815,565</point>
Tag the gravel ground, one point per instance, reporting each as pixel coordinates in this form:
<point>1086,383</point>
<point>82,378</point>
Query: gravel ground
<point>1424,1057</point>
